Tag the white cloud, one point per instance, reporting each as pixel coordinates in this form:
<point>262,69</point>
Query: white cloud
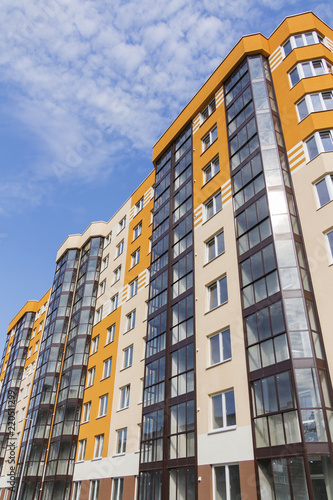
<point>134,65</point>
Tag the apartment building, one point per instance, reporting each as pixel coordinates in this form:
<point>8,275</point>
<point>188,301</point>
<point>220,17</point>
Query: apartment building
<point>186,349</point>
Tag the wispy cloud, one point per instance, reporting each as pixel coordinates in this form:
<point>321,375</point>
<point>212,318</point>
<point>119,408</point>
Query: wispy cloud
<point>91,78</point>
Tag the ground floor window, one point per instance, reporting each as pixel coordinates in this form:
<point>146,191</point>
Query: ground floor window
<point>226,482</point>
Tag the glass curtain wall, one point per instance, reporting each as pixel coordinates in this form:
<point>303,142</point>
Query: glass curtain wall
<point>286,364</point>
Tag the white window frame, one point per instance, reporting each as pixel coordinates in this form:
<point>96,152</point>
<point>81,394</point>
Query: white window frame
<point>227,479</point>
<point>329,245</point>
<point>218,283</point>
<point>102,287</point>
<point>327,68</point>
<point>124,397</point>
<point>309,104</point>
<point>76,490</point>
<point>94,489</point>
<point>119,248</point>
<point>213,167</point>
<point>117,488</point>
<point>214,239</point>
<point>94,345</point>
<point>99,314</point>
<point>292,39</point>
<point>209,110</point>
<point>135,257</point>
<point>130,320</point>
<point>116,274</point>
<point>216,208</point>
<point>33,333</point>
<point>36,346</point>
<point>133,287</point>
<point>107,367</point>
<point>317,136</point>
<point>121,441</point>
<point>138,206</point>
<point>114,302</point>
<point>110,333</point>
<point>91,377</point>
<point>105,262</point>
<point>40,326</point>
<point>86,412</point>
<point>103,405</point>
<point>128,356</point>
<point>81,450</point>
<point>107,239</point>
<point>98,447</point>
<point>121,224</point>
<point>221,352</point>
<point>137,231</point>
<point>328,179</point>
<point>29,353</point>
<point>224,411</point>
<point>209,138</point>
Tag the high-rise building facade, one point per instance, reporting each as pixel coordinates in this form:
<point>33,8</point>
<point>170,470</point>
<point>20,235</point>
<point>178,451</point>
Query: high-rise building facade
<point>184,351</point>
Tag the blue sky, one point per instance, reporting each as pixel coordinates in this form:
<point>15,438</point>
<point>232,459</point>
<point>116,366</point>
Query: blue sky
<point>86,89</point>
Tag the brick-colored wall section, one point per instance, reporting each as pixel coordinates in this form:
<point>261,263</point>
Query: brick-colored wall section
<point>129,488</point>
<point>105,488</point>
<point>248,480</point>
<point>205,486</point>
<point>84,494</point>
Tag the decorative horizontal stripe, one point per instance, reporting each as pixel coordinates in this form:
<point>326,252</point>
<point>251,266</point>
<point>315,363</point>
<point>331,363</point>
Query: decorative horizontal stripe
<point>227,200</point>
<point>196,124</point>
<point>226,185</point>
<point>296,158</point>
<point>297,167</point>
<point>124,294</point>
<point>198,216</point>
<point>219,97</point>
<point>276,58</point>
<point>329,44</point>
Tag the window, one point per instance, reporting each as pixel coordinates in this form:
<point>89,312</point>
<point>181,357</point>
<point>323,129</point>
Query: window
<point>116,274</point>
<point>208,111</point>
<point>124,396</point>
<point>138,206</point>
<point>99,315</point>
<point>308,69</point>
<point>324,189</point>
<point>22,413</point>
<point>223,410</point>
<point>135,257</point>
<point>209,139</point>
<point>128,356</point>
<point>217,293</point>
<point>212,169</point>
<point>226,482</point>
<point>98,450</point>
<point>105,262</point>
<point>301,40</point>
<point>121,225</point>
<point>133,287</point>
<point>103,405</point>
<point>118,484</point>
<point>213,205</point>
<point>33,333</point>
<point>27,389</point>
<point>36,346</point>
<point>107,365</point>
<point>121,440</point>
<point>94,489</point>
<point>120,248</point>
<point>107,239</point>
<point>137,231</point>
<point>320,142</point>
<point>76,490</point>
<point>91,376</point>
<point>40,326</point>
<point>322,101</point>
<point>215,246</point>
<point>150,244</point>
<point>110,333</point>
<point>329,236</point>
<point>220,347</point>
<point>101,288</point>
<point>114,302</point>
<point>86,412</point>
<point>29,352</point>
<point>94,344</point>
<point>130,320</point>
<point>82,449</point>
